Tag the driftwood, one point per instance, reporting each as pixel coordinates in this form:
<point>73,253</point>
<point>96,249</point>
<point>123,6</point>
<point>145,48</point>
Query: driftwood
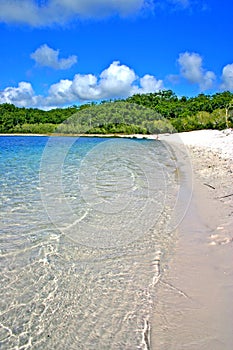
<point>213,188</point>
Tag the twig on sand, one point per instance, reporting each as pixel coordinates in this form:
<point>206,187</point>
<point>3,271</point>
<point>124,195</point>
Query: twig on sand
<point>175,288</point>
<point>228,195</point>
<point>209,186</point>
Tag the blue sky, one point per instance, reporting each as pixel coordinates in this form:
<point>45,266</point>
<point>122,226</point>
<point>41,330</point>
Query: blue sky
<point>56,53</point>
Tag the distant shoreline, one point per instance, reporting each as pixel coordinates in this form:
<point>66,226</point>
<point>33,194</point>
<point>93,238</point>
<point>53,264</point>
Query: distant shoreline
<point>133,136</point>
<point>69,135</point>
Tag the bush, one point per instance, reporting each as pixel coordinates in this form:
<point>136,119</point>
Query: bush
<point>39,128</point>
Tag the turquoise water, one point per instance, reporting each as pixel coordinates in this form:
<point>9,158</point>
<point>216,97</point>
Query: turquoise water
<point>83,239</point>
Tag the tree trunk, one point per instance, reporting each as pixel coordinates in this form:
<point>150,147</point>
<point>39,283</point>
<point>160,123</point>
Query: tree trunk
<point>227,124</point>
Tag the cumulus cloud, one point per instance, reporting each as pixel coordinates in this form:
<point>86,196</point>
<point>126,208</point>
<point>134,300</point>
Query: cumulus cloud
<point>118,80</point>
<point>48,57</point>
<point>148,84</point>
<point>22,95</point>
<point>191,69</point>
<point>42,13</point>
<point>59,93</point>
<point>227,77</point>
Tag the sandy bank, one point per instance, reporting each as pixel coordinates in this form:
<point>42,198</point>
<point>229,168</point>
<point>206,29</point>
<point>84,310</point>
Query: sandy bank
<point>194,309</point>
<point>220,142</point>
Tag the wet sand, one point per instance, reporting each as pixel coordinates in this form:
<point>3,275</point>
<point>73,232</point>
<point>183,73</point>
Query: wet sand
<point>194,308</point>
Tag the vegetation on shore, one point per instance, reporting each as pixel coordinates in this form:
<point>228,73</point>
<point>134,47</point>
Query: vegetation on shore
<point>141,113</point>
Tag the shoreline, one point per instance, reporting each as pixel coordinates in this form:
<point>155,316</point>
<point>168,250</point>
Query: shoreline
<point>194,308</point>
<point>130,136</point>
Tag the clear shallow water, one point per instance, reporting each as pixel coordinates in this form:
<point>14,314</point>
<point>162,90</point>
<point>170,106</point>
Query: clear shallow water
<point>84,225</point>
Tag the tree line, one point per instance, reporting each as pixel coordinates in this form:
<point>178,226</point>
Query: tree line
<point>148,113</point>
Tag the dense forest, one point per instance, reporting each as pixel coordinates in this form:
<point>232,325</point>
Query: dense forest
<point>141,113</point>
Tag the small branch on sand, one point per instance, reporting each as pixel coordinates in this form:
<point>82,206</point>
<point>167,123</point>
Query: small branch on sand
<point>175,288</point>
<point>228,195</point>
<point>209,186</point>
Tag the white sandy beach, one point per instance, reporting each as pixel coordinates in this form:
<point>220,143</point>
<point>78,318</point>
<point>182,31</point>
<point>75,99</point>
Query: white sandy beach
<point>195,309</point>
<point>214,140</point>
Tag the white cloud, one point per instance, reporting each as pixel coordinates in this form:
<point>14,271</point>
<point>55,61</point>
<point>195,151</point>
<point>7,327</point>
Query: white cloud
<point>227,77</point>
<point>48,57</point>
<point>59,93</point>
<point>60,11</point>
<point>148,84</point>
<point>21,96</point>
<point>15,11</point>
<point>115,81</point>
<point>85,87</point>
<point>209,78</point>
<point>118,80</point>
<point>191,69</point>
<point>190,64</point>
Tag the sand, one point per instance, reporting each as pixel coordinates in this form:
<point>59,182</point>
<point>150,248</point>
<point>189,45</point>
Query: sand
<point>194,308</point>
